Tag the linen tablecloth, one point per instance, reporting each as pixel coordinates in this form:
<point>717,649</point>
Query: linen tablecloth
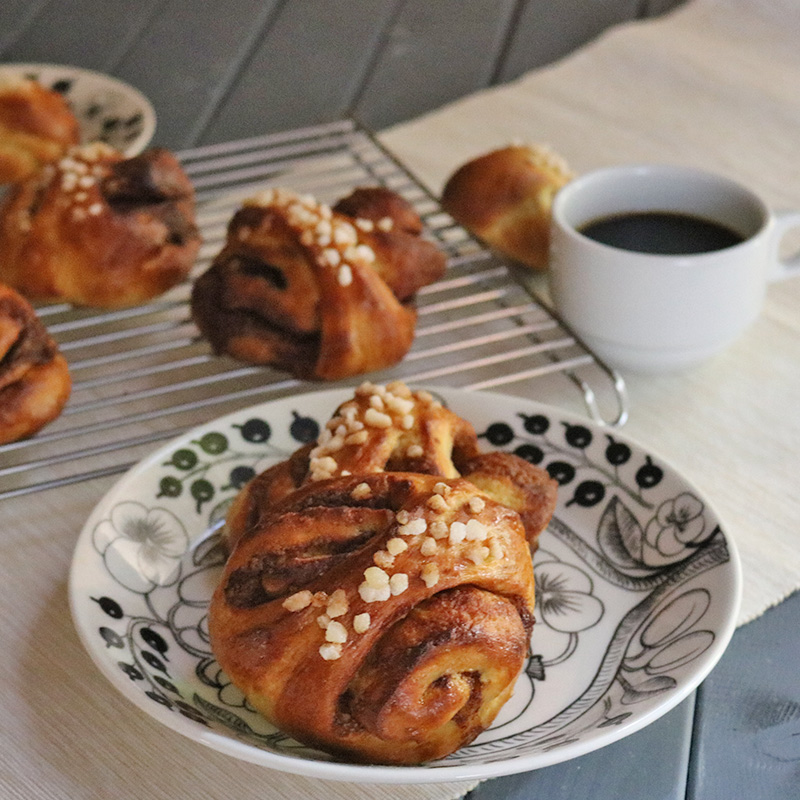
<point>714,84</point>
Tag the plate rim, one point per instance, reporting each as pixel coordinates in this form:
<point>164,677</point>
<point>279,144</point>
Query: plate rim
<point>388,774</point>
<point>148,110</point>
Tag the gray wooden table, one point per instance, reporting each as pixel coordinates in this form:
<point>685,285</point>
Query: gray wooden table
<point>217,72</point>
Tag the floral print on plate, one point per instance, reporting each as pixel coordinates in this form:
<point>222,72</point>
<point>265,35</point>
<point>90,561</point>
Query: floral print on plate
<point>637,587</point>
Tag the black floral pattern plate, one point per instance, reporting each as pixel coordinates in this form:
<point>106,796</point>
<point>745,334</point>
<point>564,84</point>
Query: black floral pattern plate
<point>107,109</point>
<point>637,588</point>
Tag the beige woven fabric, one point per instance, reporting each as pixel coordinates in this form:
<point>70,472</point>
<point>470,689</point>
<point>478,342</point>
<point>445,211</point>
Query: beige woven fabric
<point>715,84</point>
<point>712,85</point>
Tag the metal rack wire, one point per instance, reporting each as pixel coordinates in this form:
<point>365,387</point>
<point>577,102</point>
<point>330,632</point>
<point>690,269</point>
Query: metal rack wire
<point>143,375</point>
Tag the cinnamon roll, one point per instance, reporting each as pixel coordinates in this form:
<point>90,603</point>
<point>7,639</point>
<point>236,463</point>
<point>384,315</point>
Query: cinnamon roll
<point>37,126</point>
<point>319,292</point>
<point>34,378</point>
<point>97,229</point>
<point>382,618</point>
<point>378,597</point>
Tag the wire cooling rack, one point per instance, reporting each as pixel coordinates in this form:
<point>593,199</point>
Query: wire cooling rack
<point>143,375</point>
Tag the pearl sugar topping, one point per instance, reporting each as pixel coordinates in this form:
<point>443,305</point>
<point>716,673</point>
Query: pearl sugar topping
<point>76,174</point>
<point>334,240</point>
<point>445,526</point>
<point>375,410</point>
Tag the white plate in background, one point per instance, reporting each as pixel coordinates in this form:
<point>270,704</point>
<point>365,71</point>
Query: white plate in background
<point>107,109</point>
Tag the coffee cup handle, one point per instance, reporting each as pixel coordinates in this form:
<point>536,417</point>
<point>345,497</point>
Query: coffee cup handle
<point>784,268</point>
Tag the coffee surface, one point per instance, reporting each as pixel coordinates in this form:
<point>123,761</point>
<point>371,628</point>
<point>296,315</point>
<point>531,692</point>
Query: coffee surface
<point>661,232</point>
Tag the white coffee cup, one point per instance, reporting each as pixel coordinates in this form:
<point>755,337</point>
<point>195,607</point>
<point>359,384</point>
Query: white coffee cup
<point>649,312</point>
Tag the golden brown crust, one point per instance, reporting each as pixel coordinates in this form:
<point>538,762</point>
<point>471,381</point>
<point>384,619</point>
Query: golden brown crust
<point>392,429</point>
<point>380,429</point>
<point>375,604</point>
<point>527,489</point>
<point>377,203</point>
<point>34,377</point>
<point>504,197</point>
<point>36,127</point>
<point>449,614</point>
<point>313,291</point>
<point>100,230</point>
<point>402,686</point>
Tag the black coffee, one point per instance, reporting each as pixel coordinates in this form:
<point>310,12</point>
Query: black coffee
<point>661,232</point>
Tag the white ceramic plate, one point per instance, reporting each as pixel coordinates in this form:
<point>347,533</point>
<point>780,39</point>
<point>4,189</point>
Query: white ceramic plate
<point>107,109</point>
<point>637,588</point>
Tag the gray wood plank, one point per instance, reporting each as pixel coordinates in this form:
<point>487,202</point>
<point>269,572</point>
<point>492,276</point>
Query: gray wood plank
<point>429,59</point>
<point>547,31</point>
<point>654,8</point>
<point>649,765</point>
<point>83,33</point>
<point>187,58</point>
<point>309,67</point>
<point>262,66</point>
<point>15,17</point>
<point>747,735</point>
